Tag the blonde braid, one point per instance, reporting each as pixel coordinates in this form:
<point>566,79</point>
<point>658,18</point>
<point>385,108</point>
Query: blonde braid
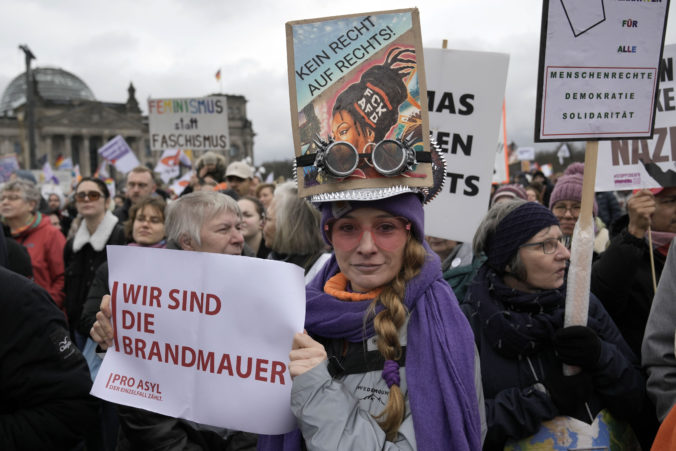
<point>387,324</point>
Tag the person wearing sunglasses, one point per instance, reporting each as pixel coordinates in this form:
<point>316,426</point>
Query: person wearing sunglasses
<point>515,306</point>
<point>85,251</point>
<point>19,200</point>
<point>387,360</point>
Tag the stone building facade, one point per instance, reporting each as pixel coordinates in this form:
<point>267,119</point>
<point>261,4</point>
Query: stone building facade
<point>69,121</point>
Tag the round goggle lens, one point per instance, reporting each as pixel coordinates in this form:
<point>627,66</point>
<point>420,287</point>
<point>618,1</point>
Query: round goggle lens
<point>389,157</point>
<point>341,159</point>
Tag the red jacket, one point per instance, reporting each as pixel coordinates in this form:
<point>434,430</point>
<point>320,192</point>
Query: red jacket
<point>45,244</point>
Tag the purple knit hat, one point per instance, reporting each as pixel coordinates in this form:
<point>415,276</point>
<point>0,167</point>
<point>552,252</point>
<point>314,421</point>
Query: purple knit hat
<point>406,205</point>
<point>569,186</point>
<point>515,229</point>
<point>512,191</point>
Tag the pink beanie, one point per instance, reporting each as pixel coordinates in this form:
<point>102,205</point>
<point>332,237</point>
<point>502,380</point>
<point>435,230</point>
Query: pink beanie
<point>569,186</point>
<point>513,191</point>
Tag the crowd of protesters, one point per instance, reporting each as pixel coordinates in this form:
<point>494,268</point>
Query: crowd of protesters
<point>471,334</point>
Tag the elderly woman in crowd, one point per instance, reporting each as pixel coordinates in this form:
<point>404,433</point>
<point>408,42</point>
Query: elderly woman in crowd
<point>566,201</point>
<point>388,360</point>
<point>292,231</point>
<point>516,307</point>
<point>86,251</point>
<point>19,201</point>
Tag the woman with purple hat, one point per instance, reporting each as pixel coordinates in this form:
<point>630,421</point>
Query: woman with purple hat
<point>387,360</point>
<point>516,307</point>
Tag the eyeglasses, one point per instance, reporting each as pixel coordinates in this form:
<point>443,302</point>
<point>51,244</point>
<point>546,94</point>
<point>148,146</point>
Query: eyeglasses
<point>549,246</point>
<point>91,195</point>
<point>150,219</point>
<point>561,209</point>
<point>11,197</point>
<point>339,159</point>
<point>345,234</point>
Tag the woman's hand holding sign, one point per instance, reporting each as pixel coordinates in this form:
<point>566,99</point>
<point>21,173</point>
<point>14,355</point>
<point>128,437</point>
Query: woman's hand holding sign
<point>102,330</point>
<point>305,354</point>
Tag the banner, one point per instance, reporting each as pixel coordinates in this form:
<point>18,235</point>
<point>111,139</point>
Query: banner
<point>182,183</point>
<point>8,165</point>
<point>358,79</point>
<point>465,92</point>
<point>119,154</point>
<point>197,336</point>
<point>168,164</point>
<point>599,63</point>
<point>645,163</point>
<point>189,123</point>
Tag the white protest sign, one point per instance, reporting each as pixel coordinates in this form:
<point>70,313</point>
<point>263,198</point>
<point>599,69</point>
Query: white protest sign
<point>198,336</point>
<point>619,162</point>
<point>189,123</point>
<point>465,91</point>
<point>598,70</point>
<point>118,152</point>
<point>525,153</point>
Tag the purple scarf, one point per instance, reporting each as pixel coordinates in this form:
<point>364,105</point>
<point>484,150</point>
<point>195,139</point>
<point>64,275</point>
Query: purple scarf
<point>439,357</point>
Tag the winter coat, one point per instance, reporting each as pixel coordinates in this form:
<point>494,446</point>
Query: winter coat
<point>45,244</point>
<point>83,254</point>
<point>44,380</point>
<point>658,342</point>
<point>517,400</point>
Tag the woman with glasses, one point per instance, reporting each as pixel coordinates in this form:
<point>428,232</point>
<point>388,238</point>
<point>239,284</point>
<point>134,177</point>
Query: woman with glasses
<point>388,359</point>
<point>566,201</point>
<point>515,306</point>
<point>86,250</point>
<point>19,200</point>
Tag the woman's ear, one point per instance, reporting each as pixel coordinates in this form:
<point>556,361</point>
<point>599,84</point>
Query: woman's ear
<point>186,243</point>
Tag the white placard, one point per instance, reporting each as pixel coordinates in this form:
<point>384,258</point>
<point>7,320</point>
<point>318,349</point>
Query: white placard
<point>465,91</point>
<point>189,123</point>
<point>619,162</point>
<point>525,154</point>
<point>599,64</point>
<point>198,336</point>
<point>119,154</point>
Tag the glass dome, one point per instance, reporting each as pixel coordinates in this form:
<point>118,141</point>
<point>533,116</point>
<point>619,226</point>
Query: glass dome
<point>53,84</point>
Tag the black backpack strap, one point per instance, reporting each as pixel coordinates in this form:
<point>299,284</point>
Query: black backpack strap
<point>356,360</point>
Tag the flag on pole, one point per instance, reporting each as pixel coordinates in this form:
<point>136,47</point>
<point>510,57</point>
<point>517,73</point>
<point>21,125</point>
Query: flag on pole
<point>185,159</point>
<point>67,163</point>
<point>59,161</point>
<point>118,152</point>
<point>218,75</point>
<point>47,171</point>
<point>167,166</point>
<point>102,171</point>
<point>179,185</point>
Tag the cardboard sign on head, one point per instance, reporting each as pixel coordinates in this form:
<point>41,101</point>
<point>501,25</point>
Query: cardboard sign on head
<point>356,89</point>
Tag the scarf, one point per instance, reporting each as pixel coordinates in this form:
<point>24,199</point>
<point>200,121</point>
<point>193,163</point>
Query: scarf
<point>160,244</point>
<point>661,241</point>
<point>515,323</point>
<point>99,238</point>
<point>439,356</point>
<point>32,223</point>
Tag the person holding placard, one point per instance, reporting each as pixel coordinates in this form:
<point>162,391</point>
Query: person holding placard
<point>204,221</point>
<point>516,307</point>
<point>387,361</point>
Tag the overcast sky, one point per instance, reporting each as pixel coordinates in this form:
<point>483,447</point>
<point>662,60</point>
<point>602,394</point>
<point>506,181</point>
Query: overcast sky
<point>173,48</point>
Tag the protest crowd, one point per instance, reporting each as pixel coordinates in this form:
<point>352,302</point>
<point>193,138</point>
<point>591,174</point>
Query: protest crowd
<point>509,283</point>
<point>409,341</point>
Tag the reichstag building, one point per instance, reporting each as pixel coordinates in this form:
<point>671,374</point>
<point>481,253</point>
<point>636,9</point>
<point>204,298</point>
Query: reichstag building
<point>70,121</point>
